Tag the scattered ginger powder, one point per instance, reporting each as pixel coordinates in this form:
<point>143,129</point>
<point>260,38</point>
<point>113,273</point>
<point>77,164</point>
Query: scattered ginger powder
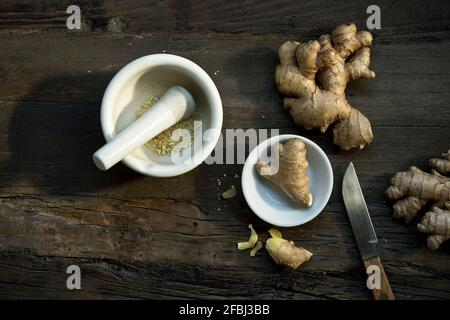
<point>163,144</point>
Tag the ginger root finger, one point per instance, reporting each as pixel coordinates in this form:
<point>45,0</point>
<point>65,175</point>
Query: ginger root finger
<point>353,132</point>
<point>437,223</point>
<point>408,208</point>
<point>284,252</point>
<point>434,241</point>
<point>442,165</point>
<point>291,173</point>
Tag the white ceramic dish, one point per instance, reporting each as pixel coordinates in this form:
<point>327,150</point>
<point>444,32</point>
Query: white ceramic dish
<point>270,203</point>
<point>150,76</point>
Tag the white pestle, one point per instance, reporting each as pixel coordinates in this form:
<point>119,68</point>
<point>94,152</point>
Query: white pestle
<point>176,104</point>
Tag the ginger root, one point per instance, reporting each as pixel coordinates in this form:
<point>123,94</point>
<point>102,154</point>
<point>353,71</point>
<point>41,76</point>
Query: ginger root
<point>314,76</point>
<point>291,173</point>
<point>285,252</point>
<point>442,165</point>
<point>413,189</point>
<point>436,223</point>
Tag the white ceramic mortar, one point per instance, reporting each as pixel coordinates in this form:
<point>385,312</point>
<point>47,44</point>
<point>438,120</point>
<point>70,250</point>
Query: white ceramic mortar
<point>150,76</point>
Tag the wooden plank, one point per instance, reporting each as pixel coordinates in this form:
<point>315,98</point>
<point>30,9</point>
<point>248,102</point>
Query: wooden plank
<point>137,240</point>
<point>302,18</point>
<point>243,74</point>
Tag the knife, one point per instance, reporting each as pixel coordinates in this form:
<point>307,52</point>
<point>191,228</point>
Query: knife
<point>365,236</point>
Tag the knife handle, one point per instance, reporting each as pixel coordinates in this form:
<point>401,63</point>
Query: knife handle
<point>385,292</point>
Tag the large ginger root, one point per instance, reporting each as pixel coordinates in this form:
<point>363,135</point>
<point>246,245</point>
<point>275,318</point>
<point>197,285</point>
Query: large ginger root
<point>316,74</point>
<point>284,252</point>
<point>414,189</point>
<point>291,173</point>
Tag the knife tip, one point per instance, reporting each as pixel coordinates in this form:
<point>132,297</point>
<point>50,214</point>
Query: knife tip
<point>350,167</point>
<point>348,172</point>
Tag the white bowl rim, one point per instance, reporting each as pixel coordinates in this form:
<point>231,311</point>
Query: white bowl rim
<point>205,82</point>
<point>248,167</point>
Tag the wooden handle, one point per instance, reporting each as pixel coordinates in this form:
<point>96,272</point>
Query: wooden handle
<point>384,292</point>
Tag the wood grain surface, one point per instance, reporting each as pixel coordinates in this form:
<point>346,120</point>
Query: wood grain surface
<point>141,237</point>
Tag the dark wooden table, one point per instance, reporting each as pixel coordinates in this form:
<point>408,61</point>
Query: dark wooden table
<point>141,237</point>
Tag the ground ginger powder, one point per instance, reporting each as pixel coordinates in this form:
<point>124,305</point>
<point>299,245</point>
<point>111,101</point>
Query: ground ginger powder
<point>163,144</point>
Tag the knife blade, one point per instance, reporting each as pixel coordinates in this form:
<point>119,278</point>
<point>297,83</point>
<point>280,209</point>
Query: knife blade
<point>359,217</point>
<point>364,233</point>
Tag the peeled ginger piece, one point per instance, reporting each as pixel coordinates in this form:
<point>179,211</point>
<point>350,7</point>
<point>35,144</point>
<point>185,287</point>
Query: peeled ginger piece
<point>284,252</point>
